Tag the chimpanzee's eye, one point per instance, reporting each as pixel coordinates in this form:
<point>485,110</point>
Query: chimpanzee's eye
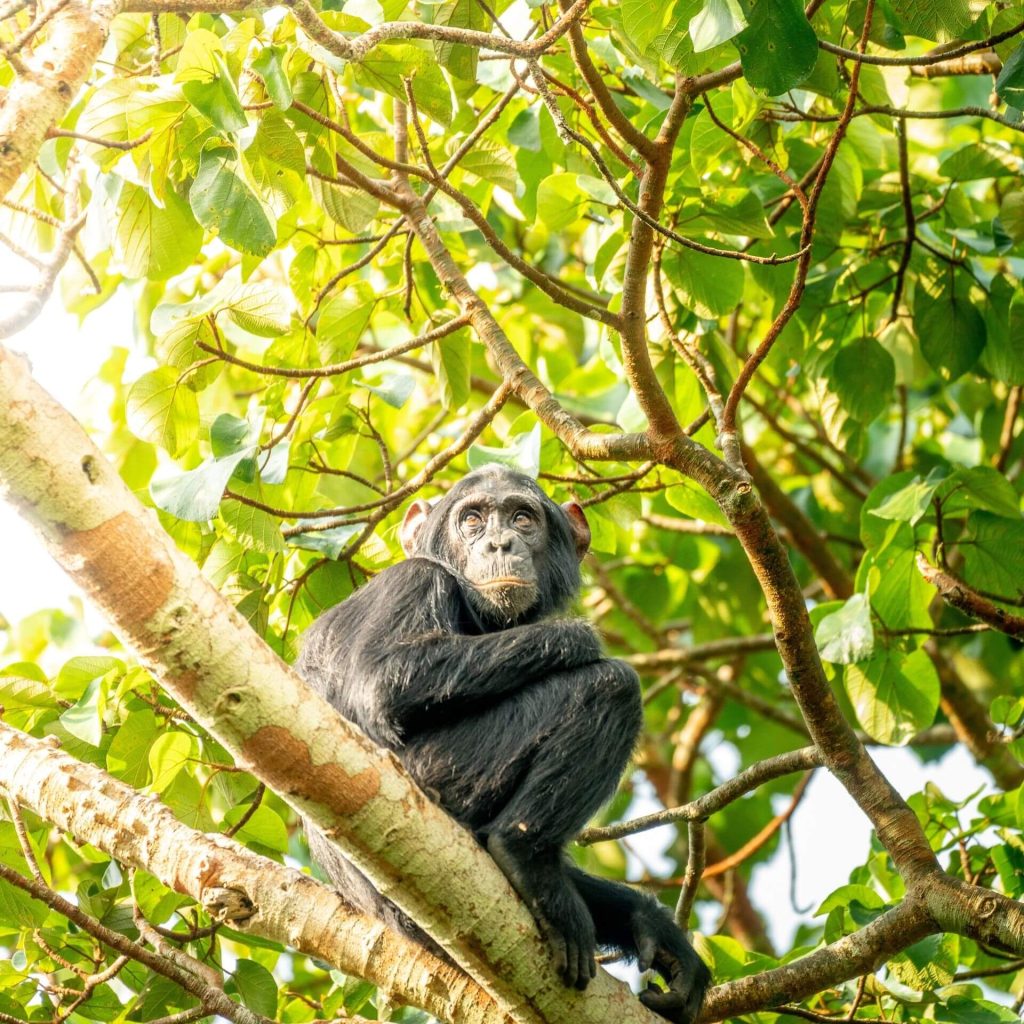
<point>471,519</point>
<point>523,519</point>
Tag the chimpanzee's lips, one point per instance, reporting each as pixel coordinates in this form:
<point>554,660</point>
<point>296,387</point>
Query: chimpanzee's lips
<point>506,581</point>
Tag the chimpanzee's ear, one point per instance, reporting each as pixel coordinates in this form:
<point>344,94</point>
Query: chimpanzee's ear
<point>411,524</point>
<point>579,526</point>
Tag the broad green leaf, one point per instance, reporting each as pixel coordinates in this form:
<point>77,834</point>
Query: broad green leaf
<point>993,550</point>
<point>778,49</point>
<point>560,201</point>
<point>863,375</point>
<point>962,1009</point>
<point>256,528</point>
<point>231,434</point>
<point>928,964</point>
<point>491,162</point>
<point>385,67</point>
<point>642,21</point>
<point>163,410</point>
<point>124,109</point>
<point>1011,214</point>
<point>152,241</point>
<point>458,58</point>
<point>269,66</point>
<point>984,158</point>
<point>18,693</point>
<point>694,502</point>
<point>522,453</point>
<point>1003,356</point>
<point>260,309</point>
<point>349,207</point>
<point>330,542</point>
<point>847,894</point>
<point>217,100</point>
<point>717,22</point>
<point>84,719</point>
<point>394,388</point>
<point>255,986</point>
<point>264,827</point>
<point>127,755</point>
<point>452,363</point>
<point>341,323</point>
<point>223,202</point>
<point>951,332</point>
<point>940,20</point>
<point>170,752</point>
<point>980,487</point>
<point>893,695</point>
<point>195,495</point>
<point>911,502</point>
<point>710,286</point>
<point>847,635</point>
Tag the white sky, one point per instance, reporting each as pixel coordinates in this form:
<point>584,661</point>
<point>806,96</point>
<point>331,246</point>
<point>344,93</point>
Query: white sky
<point>830,834</point>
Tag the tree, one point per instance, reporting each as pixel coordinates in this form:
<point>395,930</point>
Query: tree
<point>759,315</point>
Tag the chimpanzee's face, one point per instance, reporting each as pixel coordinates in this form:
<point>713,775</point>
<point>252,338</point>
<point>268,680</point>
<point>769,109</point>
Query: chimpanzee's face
<point>502,534</point>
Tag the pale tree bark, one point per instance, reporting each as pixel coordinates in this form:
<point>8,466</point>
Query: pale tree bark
<point>244,890</point>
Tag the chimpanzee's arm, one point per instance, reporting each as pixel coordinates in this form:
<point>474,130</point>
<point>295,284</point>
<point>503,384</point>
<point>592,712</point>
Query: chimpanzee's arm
<point>394,655</point>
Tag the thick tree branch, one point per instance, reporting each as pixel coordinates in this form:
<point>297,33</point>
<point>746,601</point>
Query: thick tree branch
<point>50,79</point>
<point>964,598</point>
<point>269,899</point>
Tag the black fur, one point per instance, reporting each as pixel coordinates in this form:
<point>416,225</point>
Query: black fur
<point>521,729</point>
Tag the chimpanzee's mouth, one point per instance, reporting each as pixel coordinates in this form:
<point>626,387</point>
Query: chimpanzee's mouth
<point>506,581</point>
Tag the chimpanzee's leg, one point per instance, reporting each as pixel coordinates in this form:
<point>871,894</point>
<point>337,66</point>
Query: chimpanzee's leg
<point>526,774</point>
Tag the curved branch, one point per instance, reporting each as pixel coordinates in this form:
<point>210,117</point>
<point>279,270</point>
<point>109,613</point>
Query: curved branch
<point>964,598</point>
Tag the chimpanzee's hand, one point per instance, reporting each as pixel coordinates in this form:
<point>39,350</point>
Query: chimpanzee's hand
<point>662,946</point>
<point>569,928</point>
<point>558,908</point>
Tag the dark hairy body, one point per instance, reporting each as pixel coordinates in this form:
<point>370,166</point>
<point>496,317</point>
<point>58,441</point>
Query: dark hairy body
<point>511,718</point>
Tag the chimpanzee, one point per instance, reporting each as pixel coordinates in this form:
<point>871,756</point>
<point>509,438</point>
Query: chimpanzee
<point>514,720</point>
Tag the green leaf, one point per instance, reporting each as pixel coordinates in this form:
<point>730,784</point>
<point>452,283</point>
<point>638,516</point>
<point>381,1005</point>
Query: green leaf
<point>993,550</point>
<point>260,309</point>
<point>161,409</point>
<point>522,452</point>
<point>217,100</point>
<point>152,241</point>
<point>195,495</point>
<point>710,286</point>
<point>894,696</point>
<point>19,693</point>
<point>962,1009</point>
<point>330,542</point>
<point>642,21</point>
<point>84,719</point>
<point>264,827</point>
<point>127,755</point>
<point>256,987</point>
<point>223,202</point>
<point>984,158</point>
<point>459,59</point>
<point>1003,356</point>
<point>847,894</point>
<point>941,20</point>
<point>394,388</point>
<point>452,363</point>
<point>560,201</point>
<point>385,67</point>
<point>170,752</point>
<point>778,49</point>
<point>951,332</point>
<point>349,207</point>
<point>847,635</point>
<point>717,22</point>
<point>863,375</point>
<point>258,529</point>
<point>269,65</point>
<point>341,323</point>
<point>910,503</point>
<point>1011,214</point>
<point>928,964</point>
